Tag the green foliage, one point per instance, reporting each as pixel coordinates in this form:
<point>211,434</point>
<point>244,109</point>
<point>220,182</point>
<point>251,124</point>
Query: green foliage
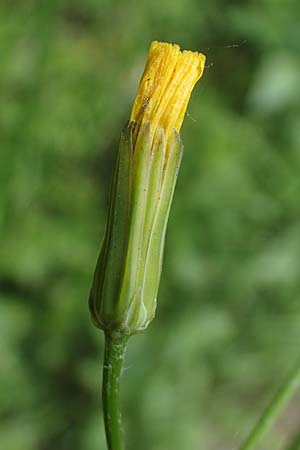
<point>228,324</point>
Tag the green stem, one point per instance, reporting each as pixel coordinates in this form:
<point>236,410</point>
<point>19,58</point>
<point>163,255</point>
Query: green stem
<point>114,353</point>
<point>273,410</point>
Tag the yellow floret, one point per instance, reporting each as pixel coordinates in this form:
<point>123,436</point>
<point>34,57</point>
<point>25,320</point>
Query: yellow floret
<point>165,87</point>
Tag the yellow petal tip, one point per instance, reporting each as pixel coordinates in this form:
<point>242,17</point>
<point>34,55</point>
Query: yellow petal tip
<point>166,86</point>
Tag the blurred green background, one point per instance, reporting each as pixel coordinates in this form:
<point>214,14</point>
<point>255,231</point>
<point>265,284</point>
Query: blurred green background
<point>227,329</point>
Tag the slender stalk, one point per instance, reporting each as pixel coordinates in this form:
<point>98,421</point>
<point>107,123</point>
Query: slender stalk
<point>114,353</point>
<point>273,410</point>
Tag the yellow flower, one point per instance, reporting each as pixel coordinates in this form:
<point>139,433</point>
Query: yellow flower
<point>126,279</point>
<point>165,87</point>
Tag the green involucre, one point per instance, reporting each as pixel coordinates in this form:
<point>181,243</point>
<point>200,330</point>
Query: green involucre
<point>126,279</point>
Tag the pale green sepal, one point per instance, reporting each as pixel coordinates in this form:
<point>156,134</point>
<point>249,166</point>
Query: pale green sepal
<point>140,182</point>
<point>143,304</point>
<point>108,274</point>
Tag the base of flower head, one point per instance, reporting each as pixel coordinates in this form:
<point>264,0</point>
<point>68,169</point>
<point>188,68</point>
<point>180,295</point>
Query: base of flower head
<point>126,279</point>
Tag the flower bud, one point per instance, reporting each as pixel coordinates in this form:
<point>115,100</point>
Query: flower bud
<point>126,279</point>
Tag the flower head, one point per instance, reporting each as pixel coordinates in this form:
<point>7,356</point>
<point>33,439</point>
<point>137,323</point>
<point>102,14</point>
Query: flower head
<point>126,279</point>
